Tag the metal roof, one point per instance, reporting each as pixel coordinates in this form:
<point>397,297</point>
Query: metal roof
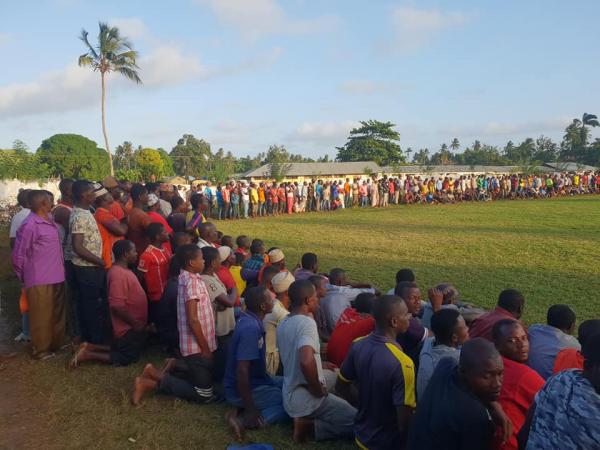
<point>570,167</point>
<point>323,168</point>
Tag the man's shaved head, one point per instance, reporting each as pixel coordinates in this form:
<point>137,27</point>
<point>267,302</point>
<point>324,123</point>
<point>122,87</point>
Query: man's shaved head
<point>481,368</point>
<point>299,291</point>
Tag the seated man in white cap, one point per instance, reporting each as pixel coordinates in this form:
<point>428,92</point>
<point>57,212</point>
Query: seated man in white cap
<point>281,282</point>
<point>276,258</point>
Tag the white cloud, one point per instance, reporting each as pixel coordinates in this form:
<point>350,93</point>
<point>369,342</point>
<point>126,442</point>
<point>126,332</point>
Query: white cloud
<point>359,87</point>
<point>534,128</point>
<point>414,27</point>
<point>257,18</point>
<point>322,134</point>
<point>130,27</point>
<point>168,65</point>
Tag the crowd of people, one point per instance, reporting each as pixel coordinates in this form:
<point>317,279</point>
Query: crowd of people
<point>114,268</point>
<point>241,200</point>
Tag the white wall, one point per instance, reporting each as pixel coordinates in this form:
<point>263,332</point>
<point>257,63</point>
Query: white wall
<point>10,188</point>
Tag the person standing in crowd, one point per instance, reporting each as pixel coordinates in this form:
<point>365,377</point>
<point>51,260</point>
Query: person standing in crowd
<point>110,228</point>
<point>450,333</point>
<point>128,312</point>
<point>192,380</point>
<point>546,341</point>
<point>157,217</point>
<point>455,410</point>
<point>15,224</point>
<point>510,306</point>
<point>520,383</point>
<point>89,266</point>
<point>227,258</point>
<point>38,263</point>
<point>210,198</point>
<point>565,412</point>
<point>167,192</point>
<point>249,388</point>
<point>281,282</point>
<point>138,220</point>
<point>384,377</point>
<point>305,398</point>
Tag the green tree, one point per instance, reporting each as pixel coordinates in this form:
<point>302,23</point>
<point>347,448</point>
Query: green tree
<point>248,163</point>
<point>168,170</point>
<point>372,141</point>
<point>74,156</point>
<point>520,154</point>
<point>112,53</point>
<point>20,147</point>
<point>123,159</point>
<point>422,157</point>
<point>455,144</point>
<point>21,165</point>
<point>190,156</point>
<point>278,159</point>
<point>545,150</point>
<point>149,164</point>
<point>221,166</point>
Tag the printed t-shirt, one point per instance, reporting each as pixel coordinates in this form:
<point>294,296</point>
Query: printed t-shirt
<point>386,380</point>
<point>124,289</point>
<point>343,335</point>
<point>154,264</point>
<point>104,216</point>
<point>82,221</point>
<point>224,320</point>
<point>247,344</point>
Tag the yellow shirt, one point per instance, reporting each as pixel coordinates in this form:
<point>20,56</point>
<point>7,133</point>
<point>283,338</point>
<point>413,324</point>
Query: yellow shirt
<point>236,273</point>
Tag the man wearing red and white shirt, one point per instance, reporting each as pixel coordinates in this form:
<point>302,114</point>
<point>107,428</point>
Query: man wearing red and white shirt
<point>197,341</point>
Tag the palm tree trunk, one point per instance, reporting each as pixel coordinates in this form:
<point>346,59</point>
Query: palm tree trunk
<point>112,171</point>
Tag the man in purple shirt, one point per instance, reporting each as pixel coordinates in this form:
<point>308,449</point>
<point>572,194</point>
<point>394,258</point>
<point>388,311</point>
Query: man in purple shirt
<point>38,263</point>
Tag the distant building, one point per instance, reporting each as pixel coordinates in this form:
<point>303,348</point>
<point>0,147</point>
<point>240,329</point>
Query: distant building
<point>318,171</point>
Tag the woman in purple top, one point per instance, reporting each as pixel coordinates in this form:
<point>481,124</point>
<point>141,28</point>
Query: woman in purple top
<point>38,262</point>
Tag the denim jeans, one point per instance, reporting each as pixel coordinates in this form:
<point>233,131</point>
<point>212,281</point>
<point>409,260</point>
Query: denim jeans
<point>267,399</point>
<point>245,209</point>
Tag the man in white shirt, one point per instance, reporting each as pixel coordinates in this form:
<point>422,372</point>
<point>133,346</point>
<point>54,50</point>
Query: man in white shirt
<point>20,216</point>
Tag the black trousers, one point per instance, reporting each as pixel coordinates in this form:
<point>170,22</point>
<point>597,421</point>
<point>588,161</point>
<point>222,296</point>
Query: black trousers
<point>92,304</point>
<point>191,380</point>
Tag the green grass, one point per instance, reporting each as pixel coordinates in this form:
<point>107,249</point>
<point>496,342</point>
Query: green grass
<point>547,249</point>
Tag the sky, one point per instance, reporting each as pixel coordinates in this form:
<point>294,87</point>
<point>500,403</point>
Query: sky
<point>246,74</point>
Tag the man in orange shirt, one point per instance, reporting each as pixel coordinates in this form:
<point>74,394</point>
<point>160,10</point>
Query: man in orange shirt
<point>138,220</point>
<point>111,229</point>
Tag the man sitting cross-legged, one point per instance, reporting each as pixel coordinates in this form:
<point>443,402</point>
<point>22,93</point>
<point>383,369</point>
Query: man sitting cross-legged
<point>384,377</point>
<point>248,386</point>
<point>128,311</point>
<point>305,397</point>
<point>520,383</point>
<point>191,377</point>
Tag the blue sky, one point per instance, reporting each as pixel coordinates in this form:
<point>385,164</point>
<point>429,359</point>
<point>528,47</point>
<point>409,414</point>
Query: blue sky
<point>245,74</point>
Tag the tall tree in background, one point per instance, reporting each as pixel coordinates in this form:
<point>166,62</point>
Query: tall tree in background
<point>455,145</point>
<point>123,159</point>
<point>113,53</point>
<point>73,156</point>
<point>372,141</point>
<point>278,159</point>
<point>191,156</point>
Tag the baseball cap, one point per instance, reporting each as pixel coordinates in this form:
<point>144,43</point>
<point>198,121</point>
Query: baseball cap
<point>282,281</point>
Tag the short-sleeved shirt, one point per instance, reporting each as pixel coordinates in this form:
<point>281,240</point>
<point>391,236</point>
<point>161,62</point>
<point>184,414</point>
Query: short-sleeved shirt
<point>224,274</point>
<point>338,298</point>
<point>569,358</point>
<point>116,210</point>
<point>343,335</point>
<point>482,326</point>
<point>103,217</point>
<point>545,342</point>
<point>224,320</point>
<point>519,387</point>
<point>293,333</point>
<point>17,220</point>
<point>385,377</point>
<point>82,222</point>
<point>449,416</point>
<point>124,289</point>
<point>190,287</point>
<point>236,274</point>
<point>271,322</point>
<point>412,341</point>
<point>247,344</point>
<point>154,264</point>
<point>138,221</point>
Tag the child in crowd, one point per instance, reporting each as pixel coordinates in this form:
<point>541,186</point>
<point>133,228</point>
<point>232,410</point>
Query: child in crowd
<point>243,245</point>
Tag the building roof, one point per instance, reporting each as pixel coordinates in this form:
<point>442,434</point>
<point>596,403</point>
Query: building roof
<point>453,168</point>
<point>320,168</point>
<point>570,167</point>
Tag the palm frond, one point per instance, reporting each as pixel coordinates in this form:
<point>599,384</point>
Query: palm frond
<point>129,73</point>
<point>84,38</point>
<point>86,60</point>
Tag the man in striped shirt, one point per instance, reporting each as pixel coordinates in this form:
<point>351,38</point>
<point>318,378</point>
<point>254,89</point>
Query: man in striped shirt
<point>189,378</point>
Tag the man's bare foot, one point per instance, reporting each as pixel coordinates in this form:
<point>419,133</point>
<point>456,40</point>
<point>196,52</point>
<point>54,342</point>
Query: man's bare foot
<point>235,424</point>
<point>304,429</point>
<point>78,356</point>
<point>151,372</point>
<point>141,386</point>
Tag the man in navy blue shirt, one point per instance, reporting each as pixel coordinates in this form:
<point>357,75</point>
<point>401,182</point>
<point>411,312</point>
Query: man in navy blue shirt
<point>385,378</point>
<point>254,393</point>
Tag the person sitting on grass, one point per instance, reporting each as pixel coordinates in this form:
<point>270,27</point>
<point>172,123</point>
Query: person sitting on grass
<point>510,306</point>
<point>451,332</point>
<point>280,284</point>
<point>355,322</point>
<point>384,377</point>
<point>128,312</point>
<point>267,279</point>
<point>570,358</point>
<point>154,267</point>
<point>191,377</point>
<point>308,267</point>
<point>252,265</point>
<point>402,275</point>
<point>520,383</point>
<point>166,322</point>
<point>564,414</point>
<point>412,340</point>
<point>305,398</point>
<point>249,388</point>
<point>455,412</point>
<point>243,245</point>
<point>320,283</point>
<point>547,340</point>
<point>276,260</point>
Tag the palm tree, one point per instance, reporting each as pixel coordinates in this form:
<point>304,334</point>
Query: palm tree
<point>580,127</point>
<point>455,145</point>
<point>113,53</point>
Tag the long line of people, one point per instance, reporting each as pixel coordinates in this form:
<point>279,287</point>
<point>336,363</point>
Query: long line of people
<point>333,357</point>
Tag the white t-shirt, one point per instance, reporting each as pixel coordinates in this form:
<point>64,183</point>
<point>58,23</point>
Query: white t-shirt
<point>17,220</point>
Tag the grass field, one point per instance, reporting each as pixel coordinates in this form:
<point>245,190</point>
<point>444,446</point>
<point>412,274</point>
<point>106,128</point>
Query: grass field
<point>547,249</point>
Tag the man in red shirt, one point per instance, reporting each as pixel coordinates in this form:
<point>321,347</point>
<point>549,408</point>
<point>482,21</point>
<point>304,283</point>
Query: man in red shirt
<point>128,312</point>
<point>520,383</point>
<point>227,258</point>
<point>138,220</point>
<point>355,322</point>
<point>510,306</point>
<point>570,358</point>
<point>154,266</point>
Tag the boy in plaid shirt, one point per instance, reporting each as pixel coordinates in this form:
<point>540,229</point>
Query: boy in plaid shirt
<point>190,377</point>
